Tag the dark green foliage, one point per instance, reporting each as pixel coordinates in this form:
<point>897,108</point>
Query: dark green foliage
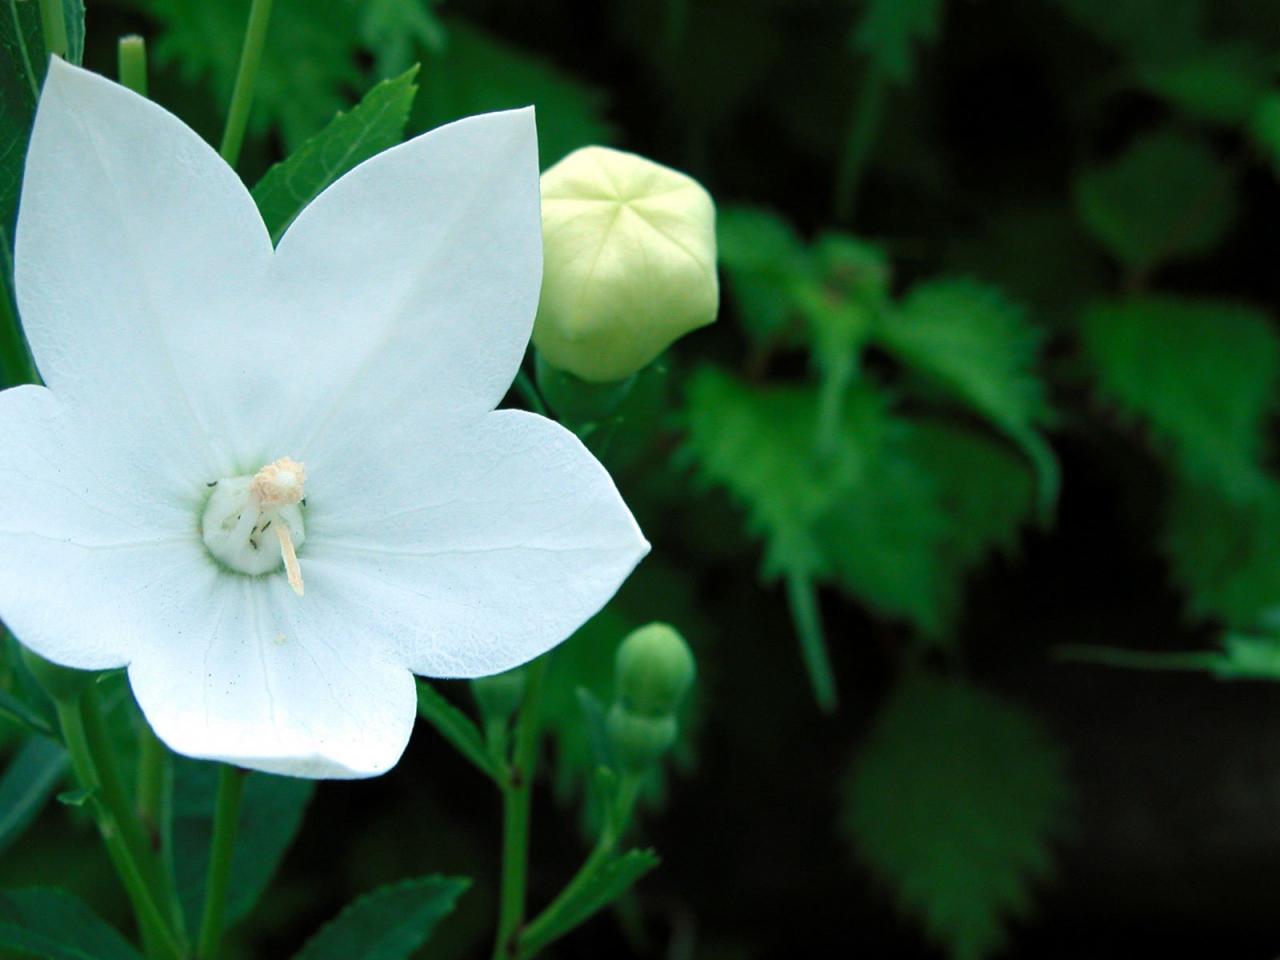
<point>388,924</point>
<point>952,803</point>
<point>476,72</point>
<point>1202,376</point>
<point>32,776</point>
<point>1166,197</point>
<point>890,29</point>
<point>53,925</point>
<point>374,124</point>
<point>270,816</point>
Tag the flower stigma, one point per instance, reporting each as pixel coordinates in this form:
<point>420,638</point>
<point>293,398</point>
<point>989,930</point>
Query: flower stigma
<point>253,524</point>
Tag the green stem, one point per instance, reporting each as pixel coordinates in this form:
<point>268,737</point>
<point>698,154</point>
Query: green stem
<point>537,936</point>
<point>54,22</point>
<point>802,595</point>
<point>156,933</point>
<point>516,801</point>
<point>226,818</point>
<point>131,60</point>
<point>863,127</point>
<point>525,386</point>
<point>255,36</point>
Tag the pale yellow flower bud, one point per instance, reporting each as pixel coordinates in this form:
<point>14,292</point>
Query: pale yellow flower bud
<point>629,251</point>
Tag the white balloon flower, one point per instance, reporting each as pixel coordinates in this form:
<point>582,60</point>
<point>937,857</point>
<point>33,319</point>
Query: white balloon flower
<point>272,482</point>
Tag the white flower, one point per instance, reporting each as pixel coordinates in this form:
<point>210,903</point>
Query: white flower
<point>152,509</point>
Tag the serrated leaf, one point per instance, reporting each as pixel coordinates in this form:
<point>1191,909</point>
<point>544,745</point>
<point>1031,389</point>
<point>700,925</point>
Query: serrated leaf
<point>884,540</point>
<point>1166,197</point>
<point>952,803</point>
<point>271,813</point>
<point>376,123</point>
<point>54,925</point>
<point>1222,84</point>
<point>607,884</point>
<point>1225,552</point>
<point>890,30</point>
<point>477,72</point>
<point>758,443</point>
<point>459,729</point>
<point>1201,376</point>
<point>389,923</point>
<point>976,344</point>
<point>33,774</point>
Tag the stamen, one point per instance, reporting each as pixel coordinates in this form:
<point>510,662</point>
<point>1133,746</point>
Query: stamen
<point>279,484</point>
<point>290,557</point>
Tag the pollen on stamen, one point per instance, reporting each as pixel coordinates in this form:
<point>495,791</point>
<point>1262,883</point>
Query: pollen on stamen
<point>279,484</point>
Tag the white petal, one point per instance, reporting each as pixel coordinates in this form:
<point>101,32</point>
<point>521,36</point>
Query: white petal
<point>138,256</point>
<point>90,528</point>
<point>413,281</point>
<point>477,553</point>
<point>274,682</point>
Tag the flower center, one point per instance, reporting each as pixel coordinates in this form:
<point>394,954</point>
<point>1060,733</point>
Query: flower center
<point>254,524</point>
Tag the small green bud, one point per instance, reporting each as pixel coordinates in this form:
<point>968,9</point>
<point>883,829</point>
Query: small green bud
<point>61,683</point>
<point>637,741</point>
<point>653,671</point>
<point>499,696</point>
<point>573,399</point>
<point>629,262</point>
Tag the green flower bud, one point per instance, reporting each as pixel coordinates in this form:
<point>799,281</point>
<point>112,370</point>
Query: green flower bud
<point>653,671</point>
<point>637,742</point>
<point>61,683</point>
<point>629,262</point>
<point>499,696</point>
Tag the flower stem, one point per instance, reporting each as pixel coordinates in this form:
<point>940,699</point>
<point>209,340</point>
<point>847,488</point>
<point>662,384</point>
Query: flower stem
<point>802,595</point>
<point>151,777</point>
<point>155,931</point>
<point>54,23</point>
<point>516,801</point>
<point>226,818</point>
<point>255,36</point>
<point>541,931</point>
<point>863,127</point>
<point>131,63</point>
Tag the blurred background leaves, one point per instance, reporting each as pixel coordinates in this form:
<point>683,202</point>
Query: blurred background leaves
<point>996,373</point>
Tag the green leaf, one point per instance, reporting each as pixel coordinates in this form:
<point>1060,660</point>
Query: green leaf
<point>1222,84</point>
<point>889,31</point>
<point>764,261</point>
<point>54,925</point>
<point>1225,552</point>
<point>477,72</point>
<point>1165,198</point>
<point>980,348</point>
<point>32,776</point>
<point>271,814</point>
<point>15,710</point>
<point>952,804</point>
<point>758,443</point>
<point>884,541</point>
<point>459,729</point>
<point>1200,376</point>
<point>77,798</point>
<point>22,68</point>
<point>374,124</point>
<point>606,885</point>
<point>389,923</point>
